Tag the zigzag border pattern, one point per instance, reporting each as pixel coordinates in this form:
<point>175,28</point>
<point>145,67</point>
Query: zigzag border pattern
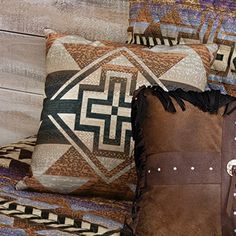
<point>51,220</point>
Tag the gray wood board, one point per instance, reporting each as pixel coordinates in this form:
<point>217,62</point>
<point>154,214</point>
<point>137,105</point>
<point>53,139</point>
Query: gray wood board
<point>19,115</point>
<point>93,19</point>
<point>22,63</point>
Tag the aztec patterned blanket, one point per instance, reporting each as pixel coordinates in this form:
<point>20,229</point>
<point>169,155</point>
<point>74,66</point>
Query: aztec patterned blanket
<point>25,213</point>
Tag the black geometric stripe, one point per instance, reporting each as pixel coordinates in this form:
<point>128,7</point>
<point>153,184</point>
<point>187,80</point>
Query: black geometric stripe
<point>219,57</point>
<point>48,219</point>
<point>28,210</point>
<point>150,41</point>
<point>44,214</point>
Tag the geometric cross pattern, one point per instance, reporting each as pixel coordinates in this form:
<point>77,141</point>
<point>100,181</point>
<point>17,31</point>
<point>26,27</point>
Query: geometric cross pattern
<point>100,108</point>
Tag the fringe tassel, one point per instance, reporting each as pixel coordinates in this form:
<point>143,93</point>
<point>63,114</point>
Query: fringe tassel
<point>209,101</point>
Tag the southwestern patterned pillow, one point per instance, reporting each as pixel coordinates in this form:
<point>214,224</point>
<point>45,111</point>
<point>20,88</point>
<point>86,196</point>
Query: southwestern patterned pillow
<point>84,143</point>
<point>172,22</point>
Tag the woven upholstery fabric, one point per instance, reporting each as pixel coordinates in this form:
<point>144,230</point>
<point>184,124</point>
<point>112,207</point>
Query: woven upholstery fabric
<point>183,142</point>
<point>84,143</point>
<point>28,213</point>
<point>191,72</point>
<point>172,22</point>
<point>19,153</point>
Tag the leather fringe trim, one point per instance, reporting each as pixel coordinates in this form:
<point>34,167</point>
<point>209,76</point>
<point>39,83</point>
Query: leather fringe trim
<point>209,101</point>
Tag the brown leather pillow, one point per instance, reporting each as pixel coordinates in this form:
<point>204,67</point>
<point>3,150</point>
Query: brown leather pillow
<point>183,142</point>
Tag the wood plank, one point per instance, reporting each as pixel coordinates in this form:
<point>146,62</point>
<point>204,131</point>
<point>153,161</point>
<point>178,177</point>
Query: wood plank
<point>93,19</point>
<point>22,63</point>
<point>19,115</point>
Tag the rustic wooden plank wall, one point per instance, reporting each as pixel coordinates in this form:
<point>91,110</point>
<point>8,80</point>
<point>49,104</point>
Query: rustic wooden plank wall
<point>22,51</point>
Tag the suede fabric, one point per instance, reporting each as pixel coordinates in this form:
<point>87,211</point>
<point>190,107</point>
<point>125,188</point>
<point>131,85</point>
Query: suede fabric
<point>181,169</point>
<point>190,130</point>
<point>180,210</point>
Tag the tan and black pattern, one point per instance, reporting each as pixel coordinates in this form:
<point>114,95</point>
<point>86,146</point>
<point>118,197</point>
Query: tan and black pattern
<point>84,144</point>
<point>17,152</point>
<point>174,22</point>
<point>25,213</point>
<point>50,220</point>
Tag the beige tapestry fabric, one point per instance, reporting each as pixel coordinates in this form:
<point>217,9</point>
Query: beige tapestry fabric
<point>192,71</point>
<point>172,22</point>
<point>84,144</point>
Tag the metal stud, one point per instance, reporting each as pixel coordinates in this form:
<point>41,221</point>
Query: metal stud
<point>149,171</point>
<point>192,168</point>
<point>211,168</point>
<point>159,169</point>
<point>230,166</point>
<point>175,168</point>
<point>234,213</point>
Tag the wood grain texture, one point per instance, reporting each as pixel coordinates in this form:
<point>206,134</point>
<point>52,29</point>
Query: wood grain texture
<point>22,63</point>
<point>19,115</point>
<point>93,19</point>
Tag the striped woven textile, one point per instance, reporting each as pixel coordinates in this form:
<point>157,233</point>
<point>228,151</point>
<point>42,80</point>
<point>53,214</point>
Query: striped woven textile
<point>27,213</point>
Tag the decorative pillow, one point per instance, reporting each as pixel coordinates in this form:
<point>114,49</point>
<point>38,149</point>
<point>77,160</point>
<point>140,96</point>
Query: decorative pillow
<point>188,22</point>
<point>182,146</point>
<point>84,144</point>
